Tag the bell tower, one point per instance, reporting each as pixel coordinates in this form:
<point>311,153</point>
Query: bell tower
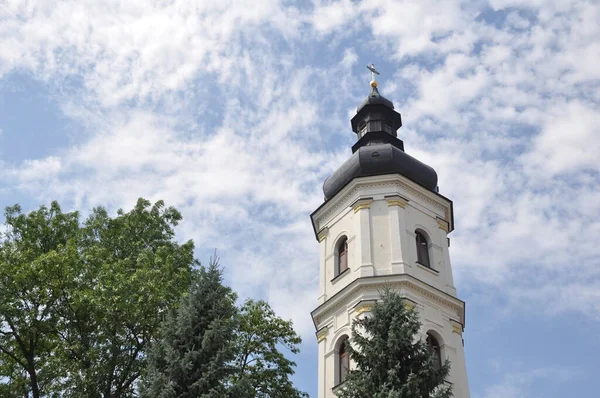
<point>384,223</point>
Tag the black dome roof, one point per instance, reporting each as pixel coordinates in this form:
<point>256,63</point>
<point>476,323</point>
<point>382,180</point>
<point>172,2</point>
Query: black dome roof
<point>374,99</point>
<point>378,151</point>
<point>379,159</point>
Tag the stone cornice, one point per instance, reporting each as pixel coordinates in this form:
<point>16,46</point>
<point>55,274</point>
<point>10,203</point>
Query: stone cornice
<point>370,285</point>
<point>343,199</point>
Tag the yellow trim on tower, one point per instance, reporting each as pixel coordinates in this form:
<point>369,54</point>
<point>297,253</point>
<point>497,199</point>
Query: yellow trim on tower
<point>457,328</point>
<point>399,203</point>
<point>322,234</point>
<point>322,334</point>
<point>443,224</point>
<point>359,206</point>
<point>363,308</point>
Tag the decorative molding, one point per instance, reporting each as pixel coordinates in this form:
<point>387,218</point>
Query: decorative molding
<point>363,308</point>
<point>322,334</point>
<point>322,234</point>
<point>361,287</point>
<point>399,203</point>
<point>396,200</point>
<point>424,198</point>
<point>361,203</point>
<point>443,224</point>
<point>361,206</point>
<point>456,327</point>
<point>358,186</point>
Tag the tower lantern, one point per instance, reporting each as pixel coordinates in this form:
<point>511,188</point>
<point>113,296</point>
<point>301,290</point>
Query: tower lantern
<point>384,223</point>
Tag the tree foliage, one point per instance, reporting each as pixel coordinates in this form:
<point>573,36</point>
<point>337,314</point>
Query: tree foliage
<point>82,301</point>
<point>36,251</point>
<point>79,304</point>
<point>210,348</point>
<point>390,361</point>
<point>190,360</point>
<point>133,271</point>
<point>258,362</point>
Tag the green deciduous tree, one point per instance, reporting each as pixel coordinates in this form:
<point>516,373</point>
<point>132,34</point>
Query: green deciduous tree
<point>34,252</point>
<point>390,361</point>
<point>258,361</point>
<point>191,358</point>
<point>133,271</point>
<point>79,304</point>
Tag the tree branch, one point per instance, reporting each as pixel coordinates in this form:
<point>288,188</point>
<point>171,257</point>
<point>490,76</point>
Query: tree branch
<point>14,357</point>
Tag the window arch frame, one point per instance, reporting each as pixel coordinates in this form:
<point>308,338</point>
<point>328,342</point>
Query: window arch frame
<point>342,360</point>
<point>341,254</point>
<point>434,347</point>
<point>423,245</point>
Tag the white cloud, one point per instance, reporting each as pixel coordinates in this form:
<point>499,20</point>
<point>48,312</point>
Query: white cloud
<point>211,107</point>
<point>246,186</point>
<point>511,128</point>
<point>134,50</point>
<point>334,15</point>
<point>38,169</point>
<point>569,140</point>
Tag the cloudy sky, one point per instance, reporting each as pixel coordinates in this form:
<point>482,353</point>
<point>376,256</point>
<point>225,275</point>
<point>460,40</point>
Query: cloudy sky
<point>236,111</point>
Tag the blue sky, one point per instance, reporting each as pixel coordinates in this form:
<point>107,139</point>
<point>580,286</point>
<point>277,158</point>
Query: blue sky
<point>236,111</point>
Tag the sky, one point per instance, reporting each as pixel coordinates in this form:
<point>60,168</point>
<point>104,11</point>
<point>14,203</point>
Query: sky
<point>235,112</point>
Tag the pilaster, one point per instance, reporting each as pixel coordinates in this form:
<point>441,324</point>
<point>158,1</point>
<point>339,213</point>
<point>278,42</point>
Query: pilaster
<point>362,209</point>
<point>443,228</point>
<point>458,366</point>
<point>396,207</point>
<point>322,368</point>
<point>322,238</point>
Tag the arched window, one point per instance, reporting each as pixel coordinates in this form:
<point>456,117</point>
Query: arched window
<point>341,254</point>
<point>343,365</point>
<point>422,249</point>
<point>434,350</point>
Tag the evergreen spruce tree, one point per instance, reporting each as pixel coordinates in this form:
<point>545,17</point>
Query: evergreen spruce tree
<point>192,357</point>
<point>390,361</point>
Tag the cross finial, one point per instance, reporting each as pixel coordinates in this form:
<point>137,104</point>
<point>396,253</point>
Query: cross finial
<point>374,72</point>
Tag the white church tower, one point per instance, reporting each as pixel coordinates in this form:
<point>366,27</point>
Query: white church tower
<point>384,223</point>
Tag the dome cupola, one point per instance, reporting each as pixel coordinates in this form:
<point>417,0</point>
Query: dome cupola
<point>378,150</point>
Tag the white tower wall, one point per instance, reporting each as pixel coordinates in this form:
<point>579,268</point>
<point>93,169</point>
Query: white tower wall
<point>379,216</point>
